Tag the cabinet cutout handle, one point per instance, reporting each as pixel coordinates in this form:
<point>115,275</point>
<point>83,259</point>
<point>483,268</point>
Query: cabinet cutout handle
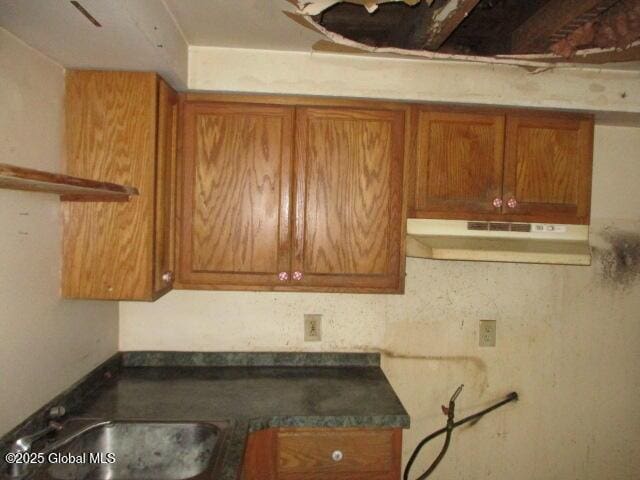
<point>297,276</point>
<point>512,203</point>
<point>283,276</point>
<point>337,456</point>
<point>497,202</point>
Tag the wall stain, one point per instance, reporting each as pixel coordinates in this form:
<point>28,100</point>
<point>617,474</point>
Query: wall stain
<point>621,259</point>
<point>478,363</point>
<point>480,379</point>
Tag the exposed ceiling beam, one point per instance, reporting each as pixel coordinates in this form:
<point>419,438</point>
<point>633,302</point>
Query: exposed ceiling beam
<point>435,23</point>
<point>534,35</point>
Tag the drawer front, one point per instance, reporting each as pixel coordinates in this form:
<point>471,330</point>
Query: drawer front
<point>319,452</point>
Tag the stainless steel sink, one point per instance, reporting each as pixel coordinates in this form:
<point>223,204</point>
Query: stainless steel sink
<point>133,450</point>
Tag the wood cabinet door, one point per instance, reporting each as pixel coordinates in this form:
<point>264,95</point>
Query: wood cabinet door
<point>459,159</point>
<point>165,188</point>
<point>235,195</point>
<point>349,220</point>
<point>110,135</point>
<point>364,454</point>
<point>309,454</point>
<point>548,162</point>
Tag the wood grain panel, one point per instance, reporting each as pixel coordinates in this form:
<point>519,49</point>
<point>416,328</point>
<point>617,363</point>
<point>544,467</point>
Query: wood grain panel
<point>349,197</point>
<point>260,456</point>
<point>545,171</point>
<point>548,168</point>
<point>110,136</point>
<point>309,451</point>
<point>459,158</point>
<point>165,186</point>
<point>69,188</point>
<point>236,194</point>
<point>348,192</point>
<point>305,454</point>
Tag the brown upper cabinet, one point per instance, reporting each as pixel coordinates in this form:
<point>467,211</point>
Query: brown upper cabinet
<point>120,127</point>
<point>290,196</point>
<point>547,168</point>
<point>348,200</point>
<point>475,165</point>
<point>459,163</point>
<point>236,194</point>
<point>293,193</point>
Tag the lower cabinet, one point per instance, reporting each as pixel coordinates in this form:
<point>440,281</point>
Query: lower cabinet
<point>319,454</point>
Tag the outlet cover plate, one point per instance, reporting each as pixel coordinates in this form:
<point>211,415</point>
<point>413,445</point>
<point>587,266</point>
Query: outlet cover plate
<point>312,327</point>
<point>487,333</point>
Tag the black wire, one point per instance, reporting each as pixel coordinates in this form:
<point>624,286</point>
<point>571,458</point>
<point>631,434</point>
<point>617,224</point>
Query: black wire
<point>449,430</point>
<point>443,451</point>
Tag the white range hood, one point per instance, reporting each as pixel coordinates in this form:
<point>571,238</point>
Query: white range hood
<point>498,241</point>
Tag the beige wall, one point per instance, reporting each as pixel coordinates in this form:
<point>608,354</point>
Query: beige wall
<point>246,70</point>
<point>45,343</point>
<point>567,342</point>
<point>567,336</point>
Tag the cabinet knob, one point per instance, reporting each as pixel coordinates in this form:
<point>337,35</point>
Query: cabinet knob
<point>337,456</point>
<point>283,276</point>
<point>297,276</point>
<point>167,277</point>
<point>512,203</point>
<point>497,202</point>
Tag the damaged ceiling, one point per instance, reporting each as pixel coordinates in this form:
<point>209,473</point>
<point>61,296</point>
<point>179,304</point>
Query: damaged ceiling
<point>157,34</point>
<point>532,32</point>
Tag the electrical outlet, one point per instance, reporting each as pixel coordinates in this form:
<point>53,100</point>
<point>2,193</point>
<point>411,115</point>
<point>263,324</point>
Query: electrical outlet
<point>312,327</point>
<point>487,333</point>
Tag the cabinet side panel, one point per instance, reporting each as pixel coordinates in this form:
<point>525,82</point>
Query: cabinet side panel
<point>110,136</point>
<point>165,191</point>
<point>260,456</point>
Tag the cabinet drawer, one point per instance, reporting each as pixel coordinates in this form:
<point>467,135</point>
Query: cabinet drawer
<point>312,451</point>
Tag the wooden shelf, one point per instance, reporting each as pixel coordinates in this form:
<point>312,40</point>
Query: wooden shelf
<point>70,188</point>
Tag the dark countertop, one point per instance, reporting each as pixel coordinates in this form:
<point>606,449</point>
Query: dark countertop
<point>250,398</point>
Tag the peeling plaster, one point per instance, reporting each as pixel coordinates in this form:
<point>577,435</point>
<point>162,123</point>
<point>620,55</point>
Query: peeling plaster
<point>446,10</point>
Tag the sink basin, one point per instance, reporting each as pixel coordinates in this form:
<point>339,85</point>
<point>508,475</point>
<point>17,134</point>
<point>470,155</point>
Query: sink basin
<point>141,451</point>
